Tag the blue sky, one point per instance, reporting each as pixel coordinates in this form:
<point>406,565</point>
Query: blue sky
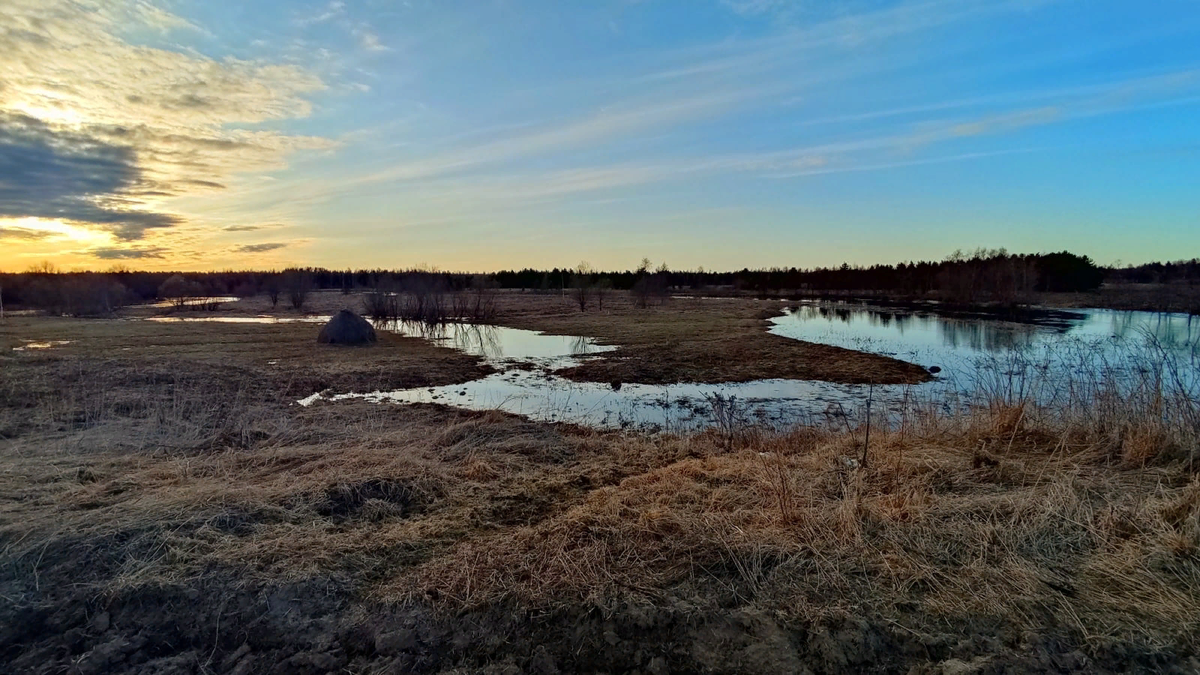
<point>488,135</point>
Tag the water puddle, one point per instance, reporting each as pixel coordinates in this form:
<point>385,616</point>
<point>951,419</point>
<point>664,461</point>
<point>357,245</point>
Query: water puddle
<point>543,396</point>
<point>238,319</point>
<point>927,338</point>
<point>500,346</point>
<point>49,344</point>
<point>193,302</point>
<point>965,351</point>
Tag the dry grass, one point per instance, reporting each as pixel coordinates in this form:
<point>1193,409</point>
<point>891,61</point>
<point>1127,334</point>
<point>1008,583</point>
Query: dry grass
<point>696,340</point>
<point>181,462</point>
<point>1032,537</point>
<point>684,340</point>
<point>1173,297</point>
<point>279,359</point>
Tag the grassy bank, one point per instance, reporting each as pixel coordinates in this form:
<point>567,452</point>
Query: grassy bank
<point>170,510</point>
<point>696,340</point>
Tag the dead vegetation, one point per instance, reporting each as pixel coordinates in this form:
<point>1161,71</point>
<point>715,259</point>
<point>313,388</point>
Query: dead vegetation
<point>696,340</point>
<point>177,494</point>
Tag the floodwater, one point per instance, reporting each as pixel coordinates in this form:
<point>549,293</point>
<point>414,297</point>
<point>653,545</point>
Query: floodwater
<point>502,347</point>
<point>190,302</point>
<point>239,319</point>
<point>926,338</point>
<point>525,384</point>
<point>965,351</point>
<point>49,344</point>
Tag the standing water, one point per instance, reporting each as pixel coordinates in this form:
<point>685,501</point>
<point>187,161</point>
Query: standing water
<point>974,356</point>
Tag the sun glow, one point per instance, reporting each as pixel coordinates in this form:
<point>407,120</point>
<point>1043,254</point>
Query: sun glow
<point>44,229</point>
<point>57,112</point>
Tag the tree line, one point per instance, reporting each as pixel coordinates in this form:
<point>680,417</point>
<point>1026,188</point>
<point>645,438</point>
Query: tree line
<point>982,276</point>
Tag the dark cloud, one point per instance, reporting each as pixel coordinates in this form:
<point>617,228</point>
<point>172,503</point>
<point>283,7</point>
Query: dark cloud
<point>128,253</point>
<point>46,173</point>
<point>22,234</point>
<point>259,248</point>
<point>212,185</point>
<point>242,228</point>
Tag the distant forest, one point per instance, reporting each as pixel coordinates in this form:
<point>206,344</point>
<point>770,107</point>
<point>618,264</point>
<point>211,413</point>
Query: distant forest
<point>981,277</point>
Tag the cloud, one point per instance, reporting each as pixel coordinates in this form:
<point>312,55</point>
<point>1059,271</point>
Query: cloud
<point>115,129</point>
<point>598,127</point>
<point>259,248</point>
<point>46,173</point>
<point>331,11</point>
<point>113,253</point>
<point>370,41</point>
<point>242,228</point>
<point>23,234</point>
<point>335,14</point>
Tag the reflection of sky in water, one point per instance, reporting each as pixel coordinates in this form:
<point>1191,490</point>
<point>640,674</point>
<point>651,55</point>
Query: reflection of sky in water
<point>191,302</point>
<point>50,344</point>
<point>238,319</point>
<point>976,355</point>
<point>496,343</point>
<point>928,339</point>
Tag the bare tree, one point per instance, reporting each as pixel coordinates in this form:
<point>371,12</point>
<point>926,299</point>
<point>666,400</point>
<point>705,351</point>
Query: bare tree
<point>581,285</point>
<point>272,285</point>
<point>298,283</point>
<point>600,291</point>
<point>179,290</point>
<point>650,285</point>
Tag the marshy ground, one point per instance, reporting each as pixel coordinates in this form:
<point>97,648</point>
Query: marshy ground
<point>166,507</point>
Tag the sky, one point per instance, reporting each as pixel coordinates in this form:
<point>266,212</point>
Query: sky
<point>496,134</point>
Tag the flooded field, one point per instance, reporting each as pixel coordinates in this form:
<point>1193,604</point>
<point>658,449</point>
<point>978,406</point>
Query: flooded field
<point>240,319</point>
<point>33,345</point>
<point>972,358</point>
<point>930,339</point>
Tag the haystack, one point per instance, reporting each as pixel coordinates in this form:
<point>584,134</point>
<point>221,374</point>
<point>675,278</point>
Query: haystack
<point>347,328</point>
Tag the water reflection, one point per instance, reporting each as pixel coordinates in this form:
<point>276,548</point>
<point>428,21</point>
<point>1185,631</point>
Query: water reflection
<point>199,301</point>
<point>497,343</point>
<point>1064,365</point>
<point>872,324</point>
<point>1175,330</point>
<point>239,319</point>
<point>49,344</point>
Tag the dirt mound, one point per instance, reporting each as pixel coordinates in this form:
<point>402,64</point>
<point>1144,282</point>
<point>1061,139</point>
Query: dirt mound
<point>347,328</point>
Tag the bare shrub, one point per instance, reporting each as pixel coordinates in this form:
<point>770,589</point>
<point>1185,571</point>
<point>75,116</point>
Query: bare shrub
<point>651,287</point>
<point>179,290</point>
<point>273,285</point>
<point>581,285</point>
<point>481,305</point>
<point>600,291</point>
<point>423,298</point>
<point>298,284</point>
<point>382,304</point>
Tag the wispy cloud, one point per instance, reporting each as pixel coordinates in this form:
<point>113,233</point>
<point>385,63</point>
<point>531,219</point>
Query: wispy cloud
<point>260,248</point>
<point>114,253</point>
<point>23,234</point>
<point>329,12</point>
<point>116,129</point>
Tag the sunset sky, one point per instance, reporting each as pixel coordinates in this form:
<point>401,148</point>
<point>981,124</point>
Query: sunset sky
<point>492,134</point>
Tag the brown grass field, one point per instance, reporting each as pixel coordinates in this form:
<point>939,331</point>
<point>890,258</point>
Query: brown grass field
<point>166,507</point>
